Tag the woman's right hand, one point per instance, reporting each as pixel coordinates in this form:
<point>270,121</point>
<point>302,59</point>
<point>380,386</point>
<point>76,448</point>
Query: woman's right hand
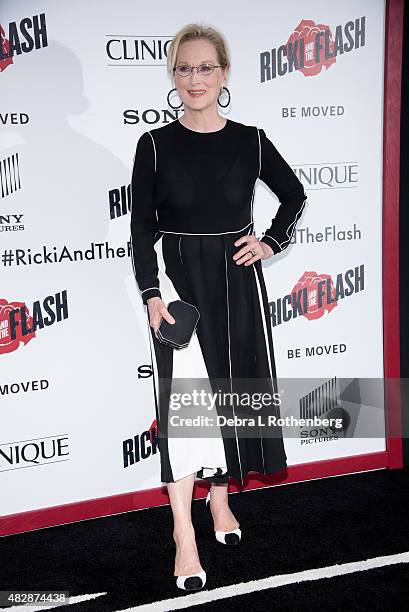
<point>157,309</point>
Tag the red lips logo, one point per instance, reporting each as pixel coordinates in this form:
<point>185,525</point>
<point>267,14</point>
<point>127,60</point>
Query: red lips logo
<point>153,431</point>
<point>5,46</point>
<point>8,345</point>
<point>310,280</point>
<point>307,30</point>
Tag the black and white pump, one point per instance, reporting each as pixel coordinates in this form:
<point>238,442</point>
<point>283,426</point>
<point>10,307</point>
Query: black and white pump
<point>231,538</point>
<point>194,582</point>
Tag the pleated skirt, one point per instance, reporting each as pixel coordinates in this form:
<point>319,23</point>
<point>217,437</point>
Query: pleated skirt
<point>230,351</point>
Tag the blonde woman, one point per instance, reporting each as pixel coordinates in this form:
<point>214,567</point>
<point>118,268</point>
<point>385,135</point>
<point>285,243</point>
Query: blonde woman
<point>192,236</point>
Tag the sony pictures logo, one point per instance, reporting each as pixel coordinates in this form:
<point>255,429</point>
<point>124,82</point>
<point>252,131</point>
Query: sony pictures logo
<point>323,402</point>
<point>10,181</point>
<point>133,50</point>
<point>11,223</point>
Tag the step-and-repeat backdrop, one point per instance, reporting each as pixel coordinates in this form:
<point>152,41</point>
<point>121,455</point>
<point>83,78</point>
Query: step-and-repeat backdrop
<point>80,82</point>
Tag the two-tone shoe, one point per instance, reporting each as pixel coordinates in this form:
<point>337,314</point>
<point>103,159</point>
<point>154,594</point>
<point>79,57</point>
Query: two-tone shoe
<point>194,582</point>
<point>231,538</point>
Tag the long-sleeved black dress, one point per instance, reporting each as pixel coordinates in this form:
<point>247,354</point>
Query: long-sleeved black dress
<point>192,198</point>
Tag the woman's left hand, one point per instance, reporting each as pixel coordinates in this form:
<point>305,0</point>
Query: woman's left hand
<point>251,243</point>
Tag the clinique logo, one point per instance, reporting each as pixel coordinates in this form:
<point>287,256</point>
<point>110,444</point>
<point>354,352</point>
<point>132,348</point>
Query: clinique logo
<point>329,175</point>
<point>136,50</point>
<point>31,453</point>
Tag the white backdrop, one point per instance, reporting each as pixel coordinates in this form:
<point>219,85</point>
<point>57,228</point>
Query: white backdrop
<point>76,396</point>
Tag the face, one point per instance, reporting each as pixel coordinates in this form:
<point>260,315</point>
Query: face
<point>194,53</point>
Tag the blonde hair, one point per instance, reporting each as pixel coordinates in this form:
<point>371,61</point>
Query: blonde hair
<point>198,31</point>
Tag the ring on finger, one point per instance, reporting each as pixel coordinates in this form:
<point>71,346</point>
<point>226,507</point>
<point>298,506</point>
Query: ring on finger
<point>253,252</point>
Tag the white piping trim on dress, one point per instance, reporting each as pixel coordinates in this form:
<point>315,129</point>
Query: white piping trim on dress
<point>264,323</point>
<point>197,234</point>
<point>154,147</point>
<point>266,340</point>
<point>155,370</point>
<point>259,154</point>
<point>133,262</point>
<point>149,288</point>
<point>255,180</point>
<point>297,216</point>
<point>252,201</point>
<point>231,383</point>
<point>172,451</point>
<point>271,238</point>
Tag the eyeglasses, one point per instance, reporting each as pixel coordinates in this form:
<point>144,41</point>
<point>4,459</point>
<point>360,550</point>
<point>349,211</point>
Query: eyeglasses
<point>204,69</point>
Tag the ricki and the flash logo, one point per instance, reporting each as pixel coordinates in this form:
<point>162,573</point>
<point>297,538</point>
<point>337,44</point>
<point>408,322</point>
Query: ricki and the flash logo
<point>52,309</point>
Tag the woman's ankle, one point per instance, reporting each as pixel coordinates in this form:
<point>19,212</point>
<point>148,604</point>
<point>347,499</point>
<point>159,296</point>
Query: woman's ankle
<point>219,495</point>
<point>183,531</point>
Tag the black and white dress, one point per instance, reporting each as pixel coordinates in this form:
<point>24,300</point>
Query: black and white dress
<point>192,198</point>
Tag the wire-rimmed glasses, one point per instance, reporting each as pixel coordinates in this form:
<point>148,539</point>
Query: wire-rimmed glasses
<point>205,69</point>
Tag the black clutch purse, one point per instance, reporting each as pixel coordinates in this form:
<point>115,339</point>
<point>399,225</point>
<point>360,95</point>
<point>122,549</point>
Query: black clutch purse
<point>179,334</point>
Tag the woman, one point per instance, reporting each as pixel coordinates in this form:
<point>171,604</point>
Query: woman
<point>192,239</point>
